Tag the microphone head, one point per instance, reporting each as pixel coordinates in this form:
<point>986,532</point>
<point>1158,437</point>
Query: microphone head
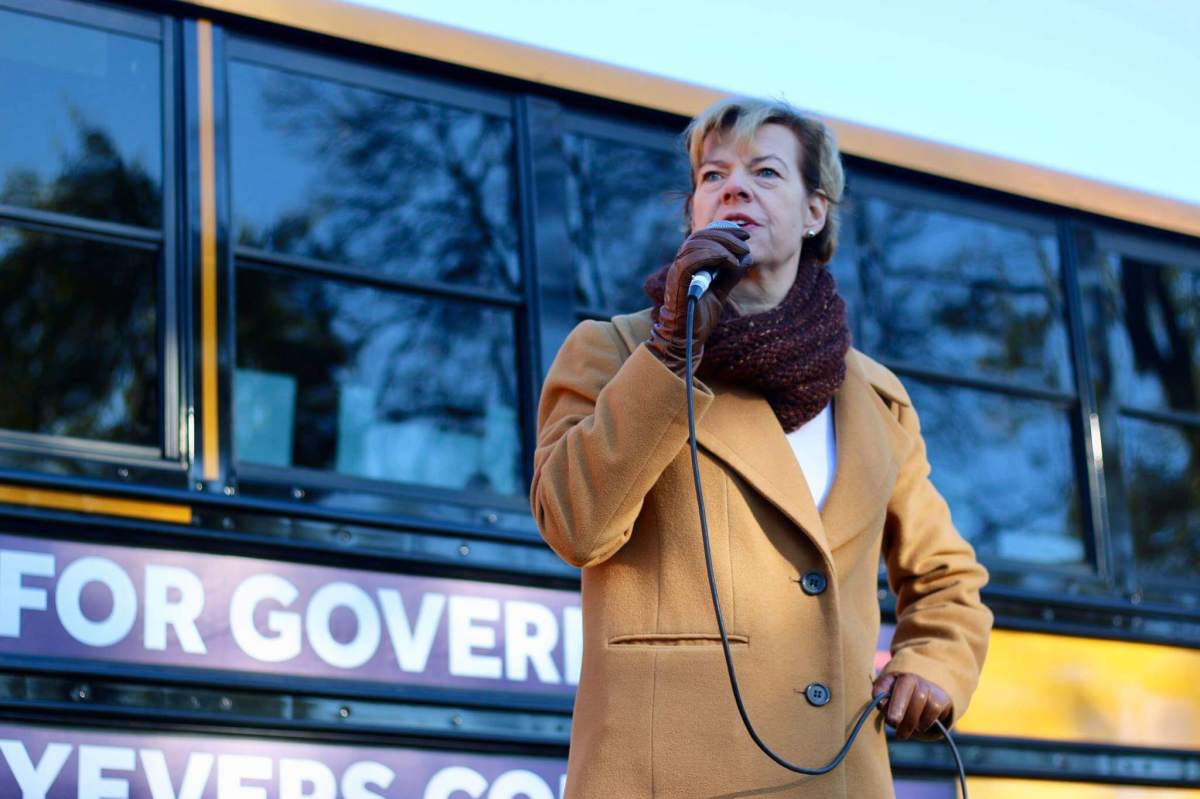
<point>722,223</point>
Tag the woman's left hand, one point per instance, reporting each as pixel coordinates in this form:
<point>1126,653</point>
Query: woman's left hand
<point>915,702</point>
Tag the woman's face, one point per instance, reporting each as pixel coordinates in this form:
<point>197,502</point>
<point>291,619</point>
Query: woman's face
<point>760,186</point>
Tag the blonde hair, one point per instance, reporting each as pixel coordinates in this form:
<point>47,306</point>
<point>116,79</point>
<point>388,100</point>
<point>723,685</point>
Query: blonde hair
<point>820,161</point>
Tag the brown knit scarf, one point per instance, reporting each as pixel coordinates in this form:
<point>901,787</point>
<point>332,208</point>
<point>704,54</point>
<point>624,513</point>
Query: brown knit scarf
<point>793,354</point>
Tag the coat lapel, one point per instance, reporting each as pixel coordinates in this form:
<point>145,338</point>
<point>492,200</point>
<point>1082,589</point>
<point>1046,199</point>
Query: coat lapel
<point>866,466</point>
<point>741,430</point>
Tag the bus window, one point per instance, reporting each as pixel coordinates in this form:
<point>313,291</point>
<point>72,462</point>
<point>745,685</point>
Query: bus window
<point>346,378</point>
<point>397,186</point>
<point>370,221</point>
<point>1153,339</point>
<point>966,305</point>
<point>625,217</point>
<point>88,138</point>
<point>81,188</point>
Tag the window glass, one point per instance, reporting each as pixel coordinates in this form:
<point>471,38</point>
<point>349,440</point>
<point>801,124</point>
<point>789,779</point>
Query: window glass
<point>1153,337</point>
<point>78,338</point>
<point>1162,477</point>
<point>350,379</point>
<point>1154,341</point>
<point>82,129</point>
<point>408,188</point>
<point>960,295</point>
<point>625,216</point>
<point>1004,465</point>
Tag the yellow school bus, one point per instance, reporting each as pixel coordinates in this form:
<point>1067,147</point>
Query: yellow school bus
<point>279,283</point>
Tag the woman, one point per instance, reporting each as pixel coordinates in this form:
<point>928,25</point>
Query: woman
<point>812,466</point>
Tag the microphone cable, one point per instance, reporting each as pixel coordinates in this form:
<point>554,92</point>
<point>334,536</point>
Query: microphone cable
<point>875,702</point>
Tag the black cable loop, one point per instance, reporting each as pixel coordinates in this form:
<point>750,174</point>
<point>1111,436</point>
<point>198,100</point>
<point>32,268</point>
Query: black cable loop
<point>712,585</point>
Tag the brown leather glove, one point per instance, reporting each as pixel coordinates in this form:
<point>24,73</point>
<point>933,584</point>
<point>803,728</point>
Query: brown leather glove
<point>707,248</point>
<point>915,702</point>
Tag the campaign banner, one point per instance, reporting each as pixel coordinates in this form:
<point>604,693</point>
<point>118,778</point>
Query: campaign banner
<point>146,606</point>
<point>49,763</point>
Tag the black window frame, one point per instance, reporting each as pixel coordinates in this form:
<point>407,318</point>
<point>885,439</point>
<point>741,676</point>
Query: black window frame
<point>1093,575</point>
<point>643,135</point>
<point>165,465</point>
<point>1093,237</point>
<point>506,516</point>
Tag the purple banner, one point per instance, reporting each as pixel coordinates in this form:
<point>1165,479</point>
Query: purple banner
<point>42,763</point>
<point>62,599</point>
<point>39,763</point>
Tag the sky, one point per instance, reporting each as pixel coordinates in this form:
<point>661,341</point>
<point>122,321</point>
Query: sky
<point>1106,89</point>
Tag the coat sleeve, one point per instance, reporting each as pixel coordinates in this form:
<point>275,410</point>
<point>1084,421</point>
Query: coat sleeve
<point>609,423</point>
<point>942,626</point>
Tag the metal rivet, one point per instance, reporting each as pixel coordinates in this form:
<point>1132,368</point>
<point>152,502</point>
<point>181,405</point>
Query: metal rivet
<point>297,493</point>
<point>344,712</point>
<point>229,491</point>
<point>464,550</point>
<point>226,703</point>
<point>227,522</point>
<point>343,535</point>
<point>199,486</point>
<point>1135,598</point>
<point>883,593</point>
<point>81,693</point>
<point>1047,614</point>
<point>123,473</point>
<point>456,720</point>
<point>491,517</point>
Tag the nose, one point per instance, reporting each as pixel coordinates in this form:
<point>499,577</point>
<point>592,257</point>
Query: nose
<point>737,187</point>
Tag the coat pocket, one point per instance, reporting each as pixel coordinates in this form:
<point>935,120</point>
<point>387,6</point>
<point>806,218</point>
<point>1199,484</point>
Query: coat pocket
<point>676,640</point>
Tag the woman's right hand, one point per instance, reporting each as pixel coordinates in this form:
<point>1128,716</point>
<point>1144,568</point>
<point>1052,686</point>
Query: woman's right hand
<point>722,249</point>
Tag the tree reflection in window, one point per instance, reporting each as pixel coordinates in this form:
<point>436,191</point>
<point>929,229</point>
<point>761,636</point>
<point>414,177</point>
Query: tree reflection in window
<point>625,217</point>
<point>1162,476</point>
<point>1004,465</point>
<point>82,106</point>
<point>340,173</point>
<point>347,378</point>
<point>960,295</point>
<point>969,298</point>
<point>1154,350</point>
<point>1155,343</point>
<point>78,317</point>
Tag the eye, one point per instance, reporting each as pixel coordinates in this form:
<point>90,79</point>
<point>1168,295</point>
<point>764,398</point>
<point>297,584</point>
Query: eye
<point>707,176</point>
<point>767,172</point>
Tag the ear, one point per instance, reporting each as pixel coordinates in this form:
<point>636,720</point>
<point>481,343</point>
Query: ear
<point>816,210</point>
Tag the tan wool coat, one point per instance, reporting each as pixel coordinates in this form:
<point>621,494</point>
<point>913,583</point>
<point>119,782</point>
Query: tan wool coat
<point>613,493</point>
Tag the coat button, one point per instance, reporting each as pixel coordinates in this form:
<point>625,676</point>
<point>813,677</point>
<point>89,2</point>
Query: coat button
<point>813,583</point>
<point>817,694</point>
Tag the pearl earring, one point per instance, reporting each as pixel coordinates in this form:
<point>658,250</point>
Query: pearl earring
<point>810,233</point>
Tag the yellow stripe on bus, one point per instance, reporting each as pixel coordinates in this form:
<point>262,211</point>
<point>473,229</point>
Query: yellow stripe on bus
<point>989,788</point>
<point>1036,685</point>
<point>93,503</point>
<point>208,255</point>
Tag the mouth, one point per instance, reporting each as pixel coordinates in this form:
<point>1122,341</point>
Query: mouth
<point>741,220</point>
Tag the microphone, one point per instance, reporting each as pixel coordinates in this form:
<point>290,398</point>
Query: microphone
<point>704,277</point>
